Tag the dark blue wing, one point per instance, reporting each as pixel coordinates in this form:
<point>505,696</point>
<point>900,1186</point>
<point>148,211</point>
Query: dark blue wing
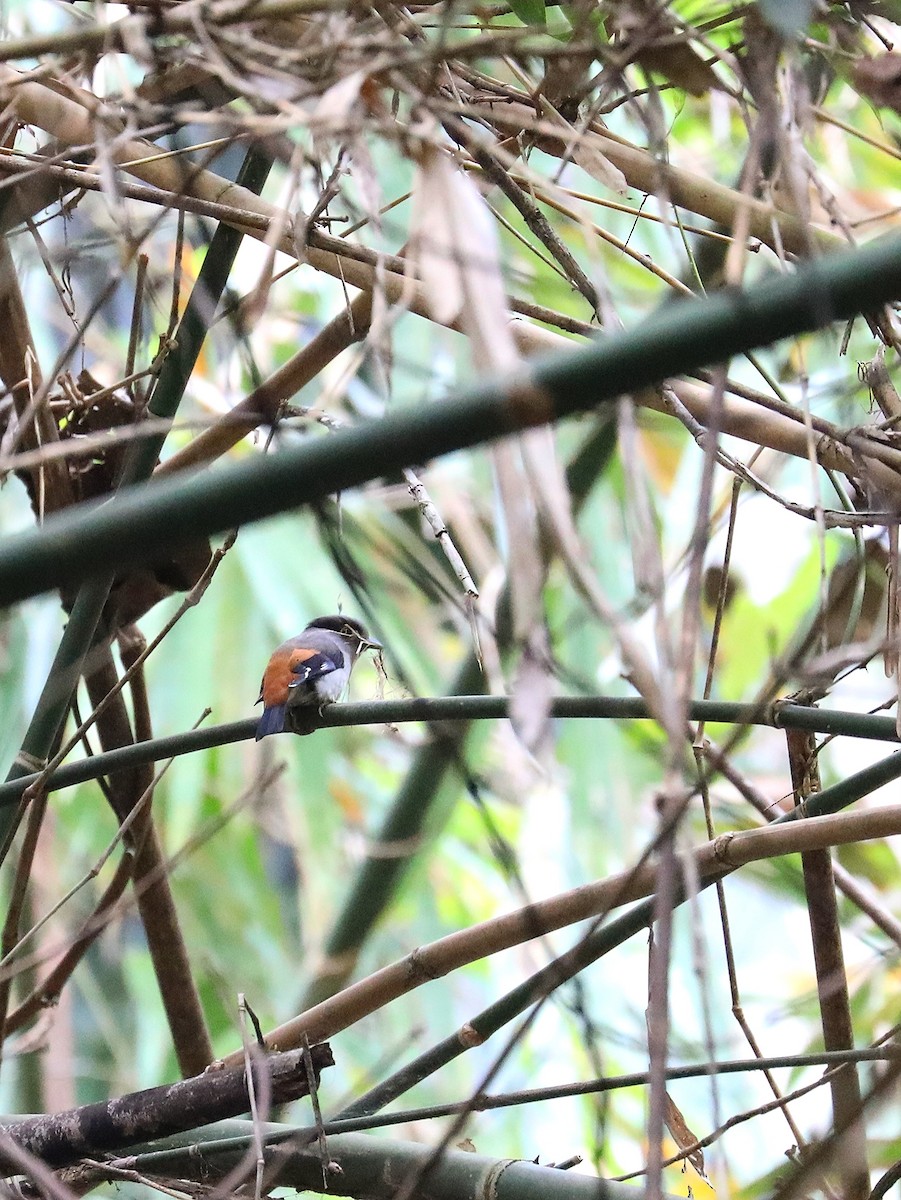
<point>315,666</point>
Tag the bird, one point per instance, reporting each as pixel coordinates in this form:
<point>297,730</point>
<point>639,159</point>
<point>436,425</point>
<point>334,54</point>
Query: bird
<point>310,670</point>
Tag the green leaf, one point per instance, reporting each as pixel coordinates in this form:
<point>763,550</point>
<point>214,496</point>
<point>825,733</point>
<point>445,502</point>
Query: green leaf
<point>530,12</point>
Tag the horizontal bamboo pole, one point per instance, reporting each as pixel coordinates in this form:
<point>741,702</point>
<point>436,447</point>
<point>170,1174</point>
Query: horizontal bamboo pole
<point>434,710</point>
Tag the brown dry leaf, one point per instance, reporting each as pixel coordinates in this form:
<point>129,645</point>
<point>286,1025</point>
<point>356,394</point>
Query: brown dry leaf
<point>584,150</point>
<point>455,252</point>
<point>365,176</point>
<point>533,693</point>
<point>647,35</point>
<point>588,156</point>
<point>682,1135</point>
<point>434,253</point>
<point>879,79</point>
<point>552,497</point>
<point>844,598</point>
<point>334,108</point>
<point>532,689</point>
<point>680,65</point>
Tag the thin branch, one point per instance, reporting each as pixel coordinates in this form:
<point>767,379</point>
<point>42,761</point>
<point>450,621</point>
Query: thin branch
<point>47,993</point>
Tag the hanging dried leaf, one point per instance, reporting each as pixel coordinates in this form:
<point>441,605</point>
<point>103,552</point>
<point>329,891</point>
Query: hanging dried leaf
<point>532,687</point>
<point>682,1135</point>
<point>335,107</point>
<point>879,79</point>
<point>647,35</point>
<point>532,693</point>
<point>588,156</point>
<point>454,250</point>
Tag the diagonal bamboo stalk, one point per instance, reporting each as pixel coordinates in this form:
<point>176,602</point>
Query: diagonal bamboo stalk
<point>713,860</point>
<point>597,942</point>
<point>675,341</point>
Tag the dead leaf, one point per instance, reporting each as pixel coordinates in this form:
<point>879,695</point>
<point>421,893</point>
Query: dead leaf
<point>455,252</point>
<point>587,156</point>
<point>879,79</point>
<point>584,150</point>
<point>683,1136</point>
<point>680,65</point>
<point>646,34</point>
<point>532,693</point>
<point>333,111</point>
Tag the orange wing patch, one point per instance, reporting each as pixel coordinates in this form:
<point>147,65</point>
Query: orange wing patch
<point>280,673</point>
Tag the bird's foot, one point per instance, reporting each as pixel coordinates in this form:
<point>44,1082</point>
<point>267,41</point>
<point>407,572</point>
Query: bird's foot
<point>303,721</point>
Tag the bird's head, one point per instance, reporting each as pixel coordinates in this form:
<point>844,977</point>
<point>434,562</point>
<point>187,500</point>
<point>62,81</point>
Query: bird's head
<point>349,628</point>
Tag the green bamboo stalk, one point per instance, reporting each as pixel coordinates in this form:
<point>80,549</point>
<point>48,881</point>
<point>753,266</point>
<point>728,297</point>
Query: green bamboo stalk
<point>378,1169</point>
<point>855,787</point>
<point>194,326</point>
<point>678,339</point>
<point>53,704</point>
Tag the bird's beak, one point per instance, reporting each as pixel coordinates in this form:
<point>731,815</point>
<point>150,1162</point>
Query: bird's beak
<point>372,644</point>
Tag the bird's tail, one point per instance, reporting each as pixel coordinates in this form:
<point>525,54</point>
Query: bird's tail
<point>272,721</point>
